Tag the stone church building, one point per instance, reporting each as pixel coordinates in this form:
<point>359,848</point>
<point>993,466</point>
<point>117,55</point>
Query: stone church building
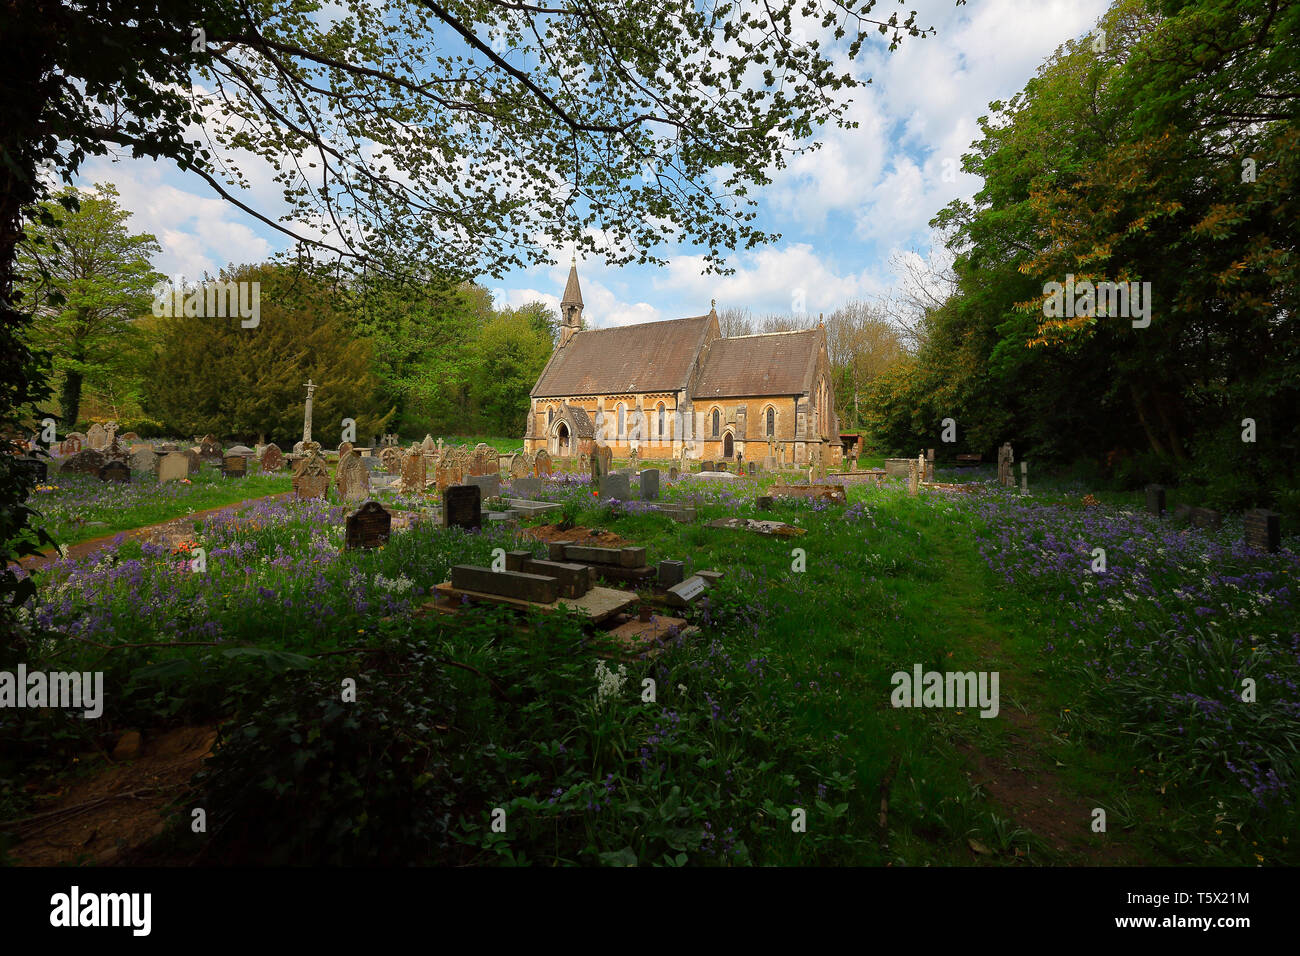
<point>680,388</point>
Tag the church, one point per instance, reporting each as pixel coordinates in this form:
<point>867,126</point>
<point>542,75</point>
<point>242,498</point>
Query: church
<point>679,389</point>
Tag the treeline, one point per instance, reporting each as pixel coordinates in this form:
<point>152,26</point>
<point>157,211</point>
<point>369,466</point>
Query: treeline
<point>411,356</point>
<point>1160,151</point>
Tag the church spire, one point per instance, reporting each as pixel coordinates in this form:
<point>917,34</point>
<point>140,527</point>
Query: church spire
<point>571,305</point>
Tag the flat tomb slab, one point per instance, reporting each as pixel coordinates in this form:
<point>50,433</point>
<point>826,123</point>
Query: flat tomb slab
<point>526,507</point>
<point>598,604</point>
<point>834,493</point>
<point>778,528</point>
<point>634,638</point>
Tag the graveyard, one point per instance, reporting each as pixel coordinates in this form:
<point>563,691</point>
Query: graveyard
<point>657,665</point>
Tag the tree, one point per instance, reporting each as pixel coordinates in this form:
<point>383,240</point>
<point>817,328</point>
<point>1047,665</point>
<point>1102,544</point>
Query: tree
<point>104,281</point>
<point>215,375</point>
<point>511,355</point>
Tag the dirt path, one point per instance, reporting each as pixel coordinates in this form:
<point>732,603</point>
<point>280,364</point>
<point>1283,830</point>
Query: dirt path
<point>174,528</point>
<point>1020,774</point>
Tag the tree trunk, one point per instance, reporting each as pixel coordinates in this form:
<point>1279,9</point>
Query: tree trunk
<point>70,399</point>
<point>1140,407</point>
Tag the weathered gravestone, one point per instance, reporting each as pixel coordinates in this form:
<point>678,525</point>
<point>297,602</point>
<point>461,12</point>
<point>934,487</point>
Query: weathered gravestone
<point>1006,458</point>
<point>602,460</point>
<point>615,486</point>
<point>116,452</point>
<point>1156,499</point>
<point>97,437</point>
<point>311,477</point>
<point>414,471</point>
<point>392,459</point>
<point>344,448</point>
<point>241,450</point>
<point>707,466</point>
<point>521,465</point>
<point>234,466</point>
<point>114,471</point>
<point>272,458</point>
<point>192,457</point>
<point>1263,530</point>
<point>210,449</point>
<point>173,466</point>
<point>70,445</point>
<point>672,473</point>
<point>650,484</point>
<point>542,464</point>
<point>352,477</point>
<point>462,506</point>
<point>86,462</point>
<point>143,459</point>
<point>368,527</point>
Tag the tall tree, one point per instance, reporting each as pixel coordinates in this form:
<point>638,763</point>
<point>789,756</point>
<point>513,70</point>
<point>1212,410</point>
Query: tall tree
<point>88,279</point>
<point>217,375</point>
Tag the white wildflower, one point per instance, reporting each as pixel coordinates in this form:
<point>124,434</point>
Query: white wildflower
<point>609,684</point>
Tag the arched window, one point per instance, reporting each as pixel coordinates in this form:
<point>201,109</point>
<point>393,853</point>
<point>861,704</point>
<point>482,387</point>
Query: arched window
<point>717,422</point>
<point>662,421</point>
<point>550,417</point>
<point>771,422</point>
<point>622,419</point>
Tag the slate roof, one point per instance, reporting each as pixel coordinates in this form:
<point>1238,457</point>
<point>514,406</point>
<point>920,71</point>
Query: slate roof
<point>779,363</point>
<point>646,357</point>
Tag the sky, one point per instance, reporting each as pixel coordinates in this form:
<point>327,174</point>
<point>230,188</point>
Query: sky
<point>845,212</point>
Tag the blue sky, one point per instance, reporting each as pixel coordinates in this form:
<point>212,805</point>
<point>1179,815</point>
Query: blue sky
<point>845,211</point>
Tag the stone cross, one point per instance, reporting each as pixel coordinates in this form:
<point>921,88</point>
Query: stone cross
<point>306,418</point>
<point>1024,477</point>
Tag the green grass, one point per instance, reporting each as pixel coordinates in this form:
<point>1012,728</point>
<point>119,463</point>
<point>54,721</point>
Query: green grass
<point>81,507</point>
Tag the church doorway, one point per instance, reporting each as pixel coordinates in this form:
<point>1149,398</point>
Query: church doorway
<point>562,440</point>
<point>728,448</point>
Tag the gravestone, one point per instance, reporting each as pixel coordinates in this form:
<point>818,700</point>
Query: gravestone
<point>129,437</point>
<point>311,477</point>
<point>272,458</point>
<point>143,459</point>
<point>1006,457</point>
<point>114,471</point>
<point>1263,530</point>
<point>528,487</point>
<point>1156,499</point>
<point>489,484</point>
<point>116,452</point>
<point>672,473</point>
<point>1182,514</point>
<point>428,446</point>
<point>929,464</point>
<point>671,573</point>
<point>173,466</point>
<point>241,450</point>
<point>769,463</point>
<point>1206,518</point>
<point>210,449</point>
<point>97,437</point>
<point>688,592</point>
<point>602,461</point>
<point>391,458</point>
<point>650,484</point>
<point>352,477</point>
<point>520,465</point>
<point>615,486</point>
<point>1024,477</point>
<point>542,464</point>
<point>37,469</point>
<point>897,467</point>
<point>913,478</point>
<point>87,462</point>
<point>70,446</point>
<point>192,457</point>
<point>368,527</point>
<point>414,471</point>
<point>344,448</point>
<point>462,506</point>
<point>707,466</point>
<point>234,466</point>
<point>764,502</point>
